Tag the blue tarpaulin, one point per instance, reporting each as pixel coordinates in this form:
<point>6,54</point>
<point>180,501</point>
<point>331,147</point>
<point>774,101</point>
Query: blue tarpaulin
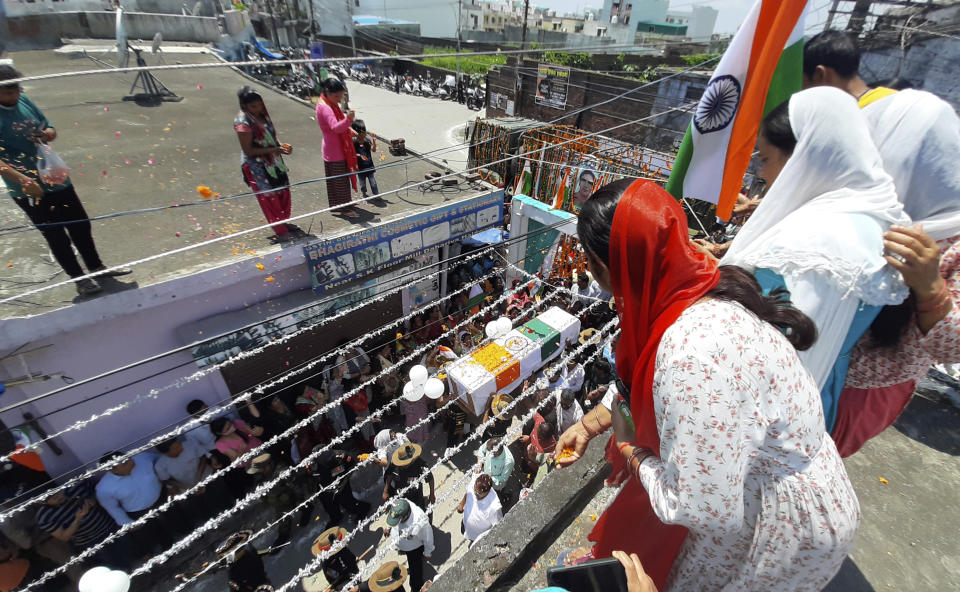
<point>492,236</point>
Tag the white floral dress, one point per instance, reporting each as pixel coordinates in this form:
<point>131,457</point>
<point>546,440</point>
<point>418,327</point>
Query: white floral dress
<point>746,465</point>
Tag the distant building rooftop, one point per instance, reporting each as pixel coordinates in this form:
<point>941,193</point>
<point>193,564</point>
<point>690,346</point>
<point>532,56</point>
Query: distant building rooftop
<point>379,20</point>
<point>661,28</point>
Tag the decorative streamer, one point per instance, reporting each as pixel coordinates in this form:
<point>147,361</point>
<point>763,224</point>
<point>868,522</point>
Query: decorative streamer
<point>266,226</point>
<point>313,564</point>
<point>212,413</point>
<point>249,455</point>
<point>183,381</point>
<point>425,421</point>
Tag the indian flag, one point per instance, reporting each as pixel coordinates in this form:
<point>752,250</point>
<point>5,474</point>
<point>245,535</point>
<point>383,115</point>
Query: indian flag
<point>760,69</point>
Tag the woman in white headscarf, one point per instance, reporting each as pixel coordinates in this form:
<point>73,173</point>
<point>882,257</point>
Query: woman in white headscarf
<point>819,230</point>
<point>918,136</point>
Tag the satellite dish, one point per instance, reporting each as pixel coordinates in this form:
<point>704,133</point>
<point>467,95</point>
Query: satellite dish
<point>123,52</point>
<point>196,9</point>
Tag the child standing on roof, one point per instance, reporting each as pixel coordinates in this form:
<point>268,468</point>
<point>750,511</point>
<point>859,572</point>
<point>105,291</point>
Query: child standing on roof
<point>365,145</point>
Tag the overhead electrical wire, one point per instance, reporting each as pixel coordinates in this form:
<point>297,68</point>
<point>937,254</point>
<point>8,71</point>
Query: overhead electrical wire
<point>317,560</point>
<point>249,455</point>
<point>338,295</point>
<point>179,250</point>
<point>402,162</point>
<point>212,413</point>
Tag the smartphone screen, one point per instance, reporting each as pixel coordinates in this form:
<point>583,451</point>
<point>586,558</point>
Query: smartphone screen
<point>601,575</point>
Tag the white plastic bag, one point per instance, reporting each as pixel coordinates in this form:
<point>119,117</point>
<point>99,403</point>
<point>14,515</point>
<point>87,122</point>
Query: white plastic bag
<point>50,167</point>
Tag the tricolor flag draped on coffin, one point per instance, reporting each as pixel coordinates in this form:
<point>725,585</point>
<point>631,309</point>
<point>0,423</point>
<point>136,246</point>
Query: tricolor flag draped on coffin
<point>761,69</point>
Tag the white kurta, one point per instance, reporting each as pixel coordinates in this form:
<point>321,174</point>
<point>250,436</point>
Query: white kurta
<point>746,465</point>
<point>479,516</point>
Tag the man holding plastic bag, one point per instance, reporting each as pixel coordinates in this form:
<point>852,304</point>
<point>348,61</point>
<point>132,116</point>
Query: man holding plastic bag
<point>39,182</point>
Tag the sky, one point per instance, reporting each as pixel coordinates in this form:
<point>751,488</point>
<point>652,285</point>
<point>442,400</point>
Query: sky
<point>731,12</point>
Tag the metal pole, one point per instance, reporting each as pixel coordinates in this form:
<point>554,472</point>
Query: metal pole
<point>312,21</point>
<point>459,22</point>
<point>523,31</point>
<point>353,28</point>
<point>833,11</point>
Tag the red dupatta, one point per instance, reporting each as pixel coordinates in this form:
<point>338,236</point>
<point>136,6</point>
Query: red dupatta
<point>656,274</point>
<point>346,142</point>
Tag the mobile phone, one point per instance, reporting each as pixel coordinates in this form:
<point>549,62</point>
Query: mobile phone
<point>623,406</point>
<point>600,575</point>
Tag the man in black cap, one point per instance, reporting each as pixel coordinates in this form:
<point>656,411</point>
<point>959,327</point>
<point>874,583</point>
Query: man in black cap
<point>340,567</point>
<point>338,500</point>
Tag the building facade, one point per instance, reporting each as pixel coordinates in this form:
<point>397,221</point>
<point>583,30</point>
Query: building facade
<point>699,21</point>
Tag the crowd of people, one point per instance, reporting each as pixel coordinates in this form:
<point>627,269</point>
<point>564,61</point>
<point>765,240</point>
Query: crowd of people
<point>84,515</point>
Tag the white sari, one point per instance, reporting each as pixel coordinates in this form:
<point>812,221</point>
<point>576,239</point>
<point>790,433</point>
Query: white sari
<point>822,221</point>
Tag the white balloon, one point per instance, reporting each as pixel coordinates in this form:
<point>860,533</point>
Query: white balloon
<point>433,388</point>
<point>504,325</point>
<point>412,392</point>
<point>419,374</point>
<point>115,581</point>
<point>491,330</point>
<point>92,580</point>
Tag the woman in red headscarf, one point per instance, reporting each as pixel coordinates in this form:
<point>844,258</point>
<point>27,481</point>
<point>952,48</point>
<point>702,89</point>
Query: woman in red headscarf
<point>730,481</point>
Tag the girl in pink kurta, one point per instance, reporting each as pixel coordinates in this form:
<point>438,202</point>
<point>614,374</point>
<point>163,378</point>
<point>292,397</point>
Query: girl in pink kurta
<point>339,155</point>
<point>234,437</point>
<point>881,380</point>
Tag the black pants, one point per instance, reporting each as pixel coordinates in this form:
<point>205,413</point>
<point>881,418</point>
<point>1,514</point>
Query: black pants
<point>415,562</point>
<point>154,534</point>
<point>64,206</point>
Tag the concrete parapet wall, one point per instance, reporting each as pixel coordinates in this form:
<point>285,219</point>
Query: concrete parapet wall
<point>39,31</point>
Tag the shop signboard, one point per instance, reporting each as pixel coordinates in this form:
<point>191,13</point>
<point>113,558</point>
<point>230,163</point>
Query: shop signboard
<point>337,261</point>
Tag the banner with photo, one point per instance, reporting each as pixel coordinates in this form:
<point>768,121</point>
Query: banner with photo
<point>552,84</point>
<point>337,261</point>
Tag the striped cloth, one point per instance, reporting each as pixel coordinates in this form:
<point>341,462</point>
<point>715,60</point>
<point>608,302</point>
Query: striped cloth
<point>338,188</point>
<point>93,528</point>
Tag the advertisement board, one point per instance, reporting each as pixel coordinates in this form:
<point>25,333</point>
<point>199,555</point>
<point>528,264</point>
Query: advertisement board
<point>337,261</point>
<point>552,82</point>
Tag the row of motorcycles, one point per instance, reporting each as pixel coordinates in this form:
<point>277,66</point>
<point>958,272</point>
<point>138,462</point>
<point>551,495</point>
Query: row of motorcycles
<point>303,80</point>
<point>300,80</point>
<point>472,92</point>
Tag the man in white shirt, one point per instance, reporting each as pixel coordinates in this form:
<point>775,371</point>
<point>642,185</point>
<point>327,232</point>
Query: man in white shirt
<point>584,291</point>
<point>128,491</point>
<point>480,507</point>
<point>201,435</point>
<point>182,463</point>
<point>569,411</point>
<point>180,466</point>
<point>412,533</point>
<point>572,375</point>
